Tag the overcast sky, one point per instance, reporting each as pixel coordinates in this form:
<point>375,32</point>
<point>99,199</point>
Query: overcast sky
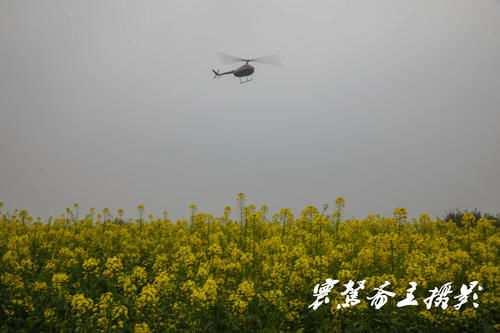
<point>388,103</point>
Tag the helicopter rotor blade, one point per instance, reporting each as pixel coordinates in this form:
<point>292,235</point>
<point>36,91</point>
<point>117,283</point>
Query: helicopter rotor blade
<point>229,59</point>
<point>272,59</point>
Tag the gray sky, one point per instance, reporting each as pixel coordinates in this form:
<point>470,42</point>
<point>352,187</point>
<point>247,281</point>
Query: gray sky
<point>388,103</point>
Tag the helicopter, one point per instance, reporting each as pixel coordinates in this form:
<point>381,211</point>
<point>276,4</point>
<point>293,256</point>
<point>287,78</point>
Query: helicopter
<point>246,69</point>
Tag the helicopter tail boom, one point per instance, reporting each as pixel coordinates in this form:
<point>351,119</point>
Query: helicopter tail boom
<point>217,73</point>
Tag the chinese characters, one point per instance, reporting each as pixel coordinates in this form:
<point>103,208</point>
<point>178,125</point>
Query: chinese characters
<point>438,297</point>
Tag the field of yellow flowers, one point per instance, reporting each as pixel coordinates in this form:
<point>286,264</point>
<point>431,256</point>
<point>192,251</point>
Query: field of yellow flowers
<point>244,271</point>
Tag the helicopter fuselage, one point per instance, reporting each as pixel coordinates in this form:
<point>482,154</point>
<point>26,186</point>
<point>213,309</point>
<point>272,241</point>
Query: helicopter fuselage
<point>244,70</point>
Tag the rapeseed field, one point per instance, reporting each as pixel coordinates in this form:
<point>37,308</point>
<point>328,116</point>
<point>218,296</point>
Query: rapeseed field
<point>246,271</point>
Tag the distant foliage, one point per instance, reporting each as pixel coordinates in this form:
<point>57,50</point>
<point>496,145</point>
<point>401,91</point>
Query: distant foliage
<point>457,216</point>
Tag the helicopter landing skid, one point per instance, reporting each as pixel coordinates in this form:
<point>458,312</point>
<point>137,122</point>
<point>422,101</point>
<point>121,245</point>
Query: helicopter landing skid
<point>245,81</point>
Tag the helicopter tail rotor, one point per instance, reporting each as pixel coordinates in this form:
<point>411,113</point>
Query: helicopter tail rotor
<point>216,73</point>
